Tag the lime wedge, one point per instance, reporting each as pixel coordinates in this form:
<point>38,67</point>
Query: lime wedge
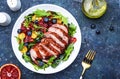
<point>94,8</point>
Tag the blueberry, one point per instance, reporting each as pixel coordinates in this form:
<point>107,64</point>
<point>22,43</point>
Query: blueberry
<point>28,53</point>
<point>46,19</point>
<point>29,33</point>
<point>93,26</point>
<point>26,44</point>
<point>36,21</point>
<point>41,63</point>
<point>97,32</point>
<point>54,21</point>
<point>111,28</point>
<point>19,31</point>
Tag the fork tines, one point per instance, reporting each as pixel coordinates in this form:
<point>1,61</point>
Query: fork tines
<point>89,56</point>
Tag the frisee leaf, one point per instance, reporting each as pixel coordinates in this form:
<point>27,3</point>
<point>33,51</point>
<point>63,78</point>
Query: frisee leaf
<point>71,29</point>
<point>40,13</point>
<point>65,20</point>
<point>60,16</point>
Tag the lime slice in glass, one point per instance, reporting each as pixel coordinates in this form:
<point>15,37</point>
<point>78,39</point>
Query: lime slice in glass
<point>94,8</point>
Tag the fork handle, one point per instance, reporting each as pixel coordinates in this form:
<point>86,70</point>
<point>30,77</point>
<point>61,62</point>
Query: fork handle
<point>83,71</point>
<point>81,77</point>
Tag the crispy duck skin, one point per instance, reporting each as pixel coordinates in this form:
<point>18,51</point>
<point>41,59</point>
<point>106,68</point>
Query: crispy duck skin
<point>53,44</point>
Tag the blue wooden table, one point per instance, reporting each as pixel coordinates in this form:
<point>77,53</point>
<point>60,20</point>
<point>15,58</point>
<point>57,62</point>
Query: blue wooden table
<point>107,44</point>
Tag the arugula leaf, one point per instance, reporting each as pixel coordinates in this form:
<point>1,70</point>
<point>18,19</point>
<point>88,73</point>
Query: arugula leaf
<point>30,45</point>
<point>71,29</point>
<point>68,52</point>
<point>18,39</point>
<point>51,60</point>
<point>26,24</point>
<point>26,58</point>
<point>60,16</point>
<point>28,20</point>
<point>40,13</point>
<point>55,63</point>
<point>36,67</point>
<point>45,66</point>
<point>36,26</point>
<point>40,34</point>
<point>21,45</point>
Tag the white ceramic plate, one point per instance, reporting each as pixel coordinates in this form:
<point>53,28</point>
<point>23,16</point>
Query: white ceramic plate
<point>62,65</point>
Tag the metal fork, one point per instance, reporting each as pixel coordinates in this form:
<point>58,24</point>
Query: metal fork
<point>87,61</point>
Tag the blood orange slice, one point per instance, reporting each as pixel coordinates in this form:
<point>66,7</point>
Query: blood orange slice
<point>10,71</point>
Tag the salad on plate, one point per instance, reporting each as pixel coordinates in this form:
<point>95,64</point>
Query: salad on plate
<point>46,38</point>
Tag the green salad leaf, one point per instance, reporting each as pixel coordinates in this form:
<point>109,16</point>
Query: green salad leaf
<point>44,66</point>
<point>36,67</point>
<point>40,13</point>
<point>26,58</point>
<point>31,45</point>
<point>68,52</point>
<point>56,63</point>
<point>21,45</point>
<point>36,26</point>
<point>40,34</point>
<point>18,39</point>
<point>51,60</point>
<point>71,29</point>
<point>60,16</point>
<point>28,20</point>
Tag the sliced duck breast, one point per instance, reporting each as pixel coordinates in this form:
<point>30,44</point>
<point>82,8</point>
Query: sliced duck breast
<point>55,47</point>
<point>50,43</point>
<point>53,43</point>
<point>59,32</point>
<point>49,35</point>
<point>44,52</point>
<point>50,51</point>
<point>34,53</point>
<point>64,28</point>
